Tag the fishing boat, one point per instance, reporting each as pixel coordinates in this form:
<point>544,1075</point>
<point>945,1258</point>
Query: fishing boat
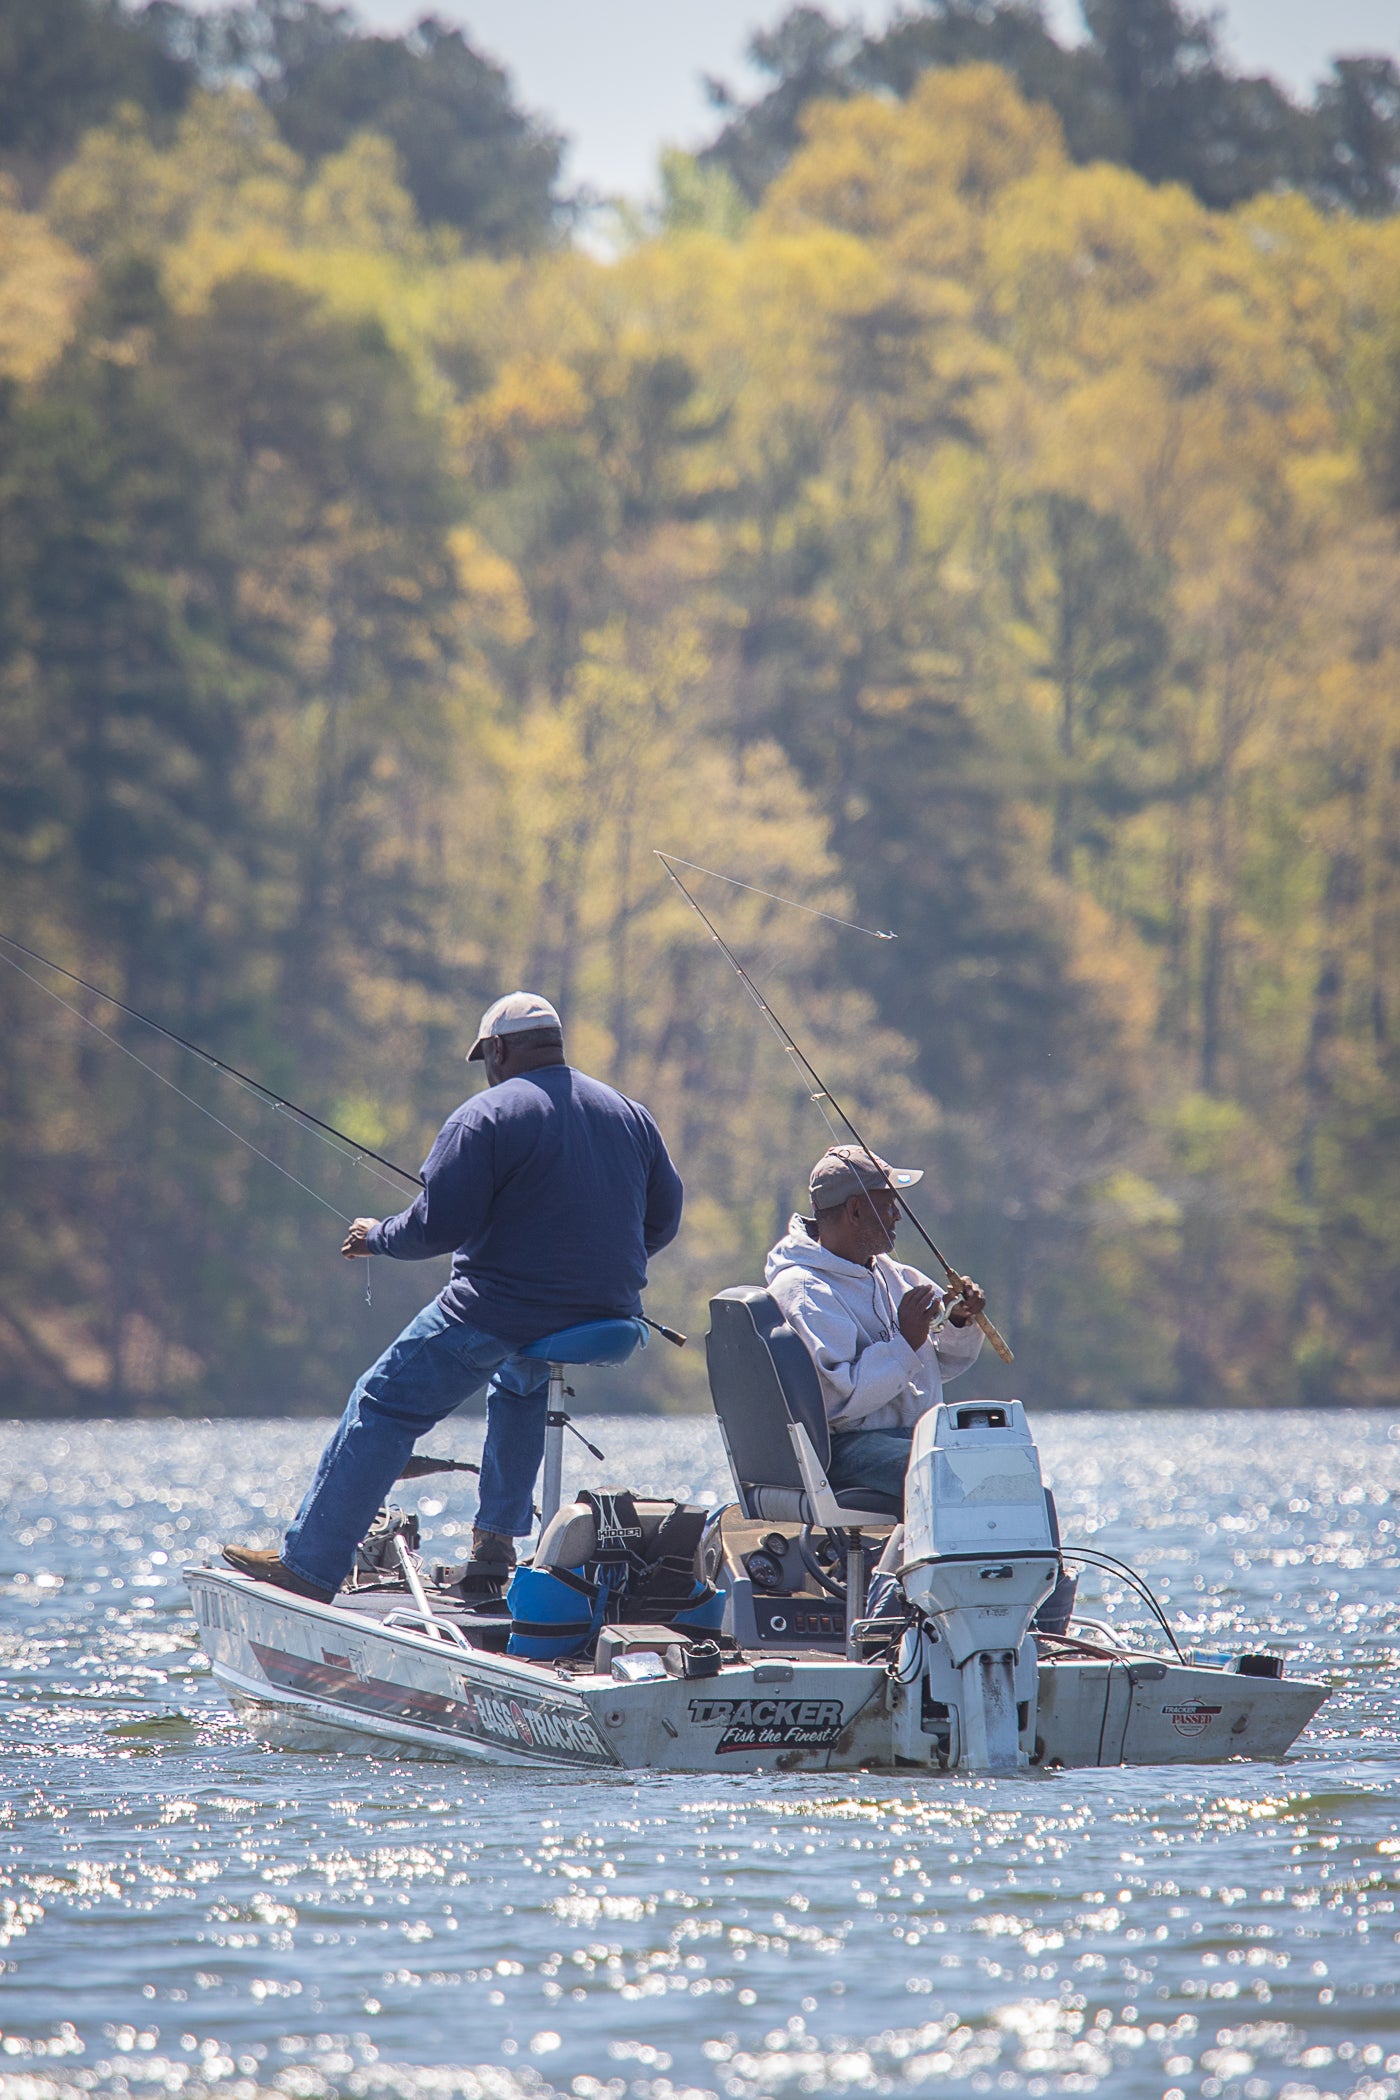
<point>798,1628</point>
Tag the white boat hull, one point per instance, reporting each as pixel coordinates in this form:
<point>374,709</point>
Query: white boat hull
<point>296,1664</point>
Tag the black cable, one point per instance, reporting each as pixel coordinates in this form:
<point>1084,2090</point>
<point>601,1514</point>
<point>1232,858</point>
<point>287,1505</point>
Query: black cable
<point>1144,1589</point>
<point>1095,1557</point>
<point>892,1669</point>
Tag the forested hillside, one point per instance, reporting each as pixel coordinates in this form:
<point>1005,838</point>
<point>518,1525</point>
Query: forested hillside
<point>1147,85</point>
<point>954,531</point>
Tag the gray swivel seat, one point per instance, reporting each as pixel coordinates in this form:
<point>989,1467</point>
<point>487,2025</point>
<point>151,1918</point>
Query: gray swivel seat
<point>768,1398</point>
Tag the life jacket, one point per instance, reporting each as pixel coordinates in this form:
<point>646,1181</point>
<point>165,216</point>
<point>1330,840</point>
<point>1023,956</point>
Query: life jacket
<point>630,1578</point>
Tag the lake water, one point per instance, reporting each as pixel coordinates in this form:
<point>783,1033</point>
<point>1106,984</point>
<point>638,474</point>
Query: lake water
<point>186,1912</point>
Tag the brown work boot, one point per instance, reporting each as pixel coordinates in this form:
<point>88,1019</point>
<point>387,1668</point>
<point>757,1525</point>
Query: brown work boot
<point>494,1547</point>
<point>485,1575</point>
<point>266,1566</point>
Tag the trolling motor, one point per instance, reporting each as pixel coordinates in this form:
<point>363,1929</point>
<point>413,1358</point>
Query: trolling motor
<point>979,1560</point>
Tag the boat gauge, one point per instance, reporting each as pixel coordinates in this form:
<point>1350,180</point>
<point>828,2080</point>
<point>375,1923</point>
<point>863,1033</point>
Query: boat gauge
<point>764,1572</point>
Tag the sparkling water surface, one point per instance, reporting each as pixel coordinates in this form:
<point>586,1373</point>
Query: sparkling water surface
<point>186,1911</point>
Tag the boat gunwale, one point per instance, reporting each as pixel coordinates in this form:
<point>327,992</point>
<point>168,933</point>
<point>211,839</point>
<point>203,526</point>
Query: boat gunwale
<point>486,1753</point>
<point>524,1669</point>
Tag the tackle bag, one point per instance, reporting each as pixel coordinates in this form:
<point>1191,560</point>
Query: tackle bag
<point>629,1578</point>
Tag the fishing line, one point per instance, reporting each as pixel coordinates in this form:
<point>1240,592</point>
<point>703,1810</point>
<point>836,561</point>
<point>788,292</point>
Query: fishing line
<point>339,1141</point>
<point>789,1047</point>
<point>799,1063</point>
<point>811,1079</point>
<point>791,902</point>
<point>807,1077</point>
<point>136,1059</point>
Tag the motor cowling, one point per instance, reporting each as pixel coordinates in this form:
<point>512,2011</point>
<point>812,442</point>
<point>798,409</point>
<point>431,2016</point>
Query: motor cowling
<point>979,1560</point>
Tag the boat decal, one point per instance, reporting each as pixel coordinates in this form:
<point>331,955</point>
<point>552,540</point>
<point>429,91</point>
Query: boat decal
<point>770,1724</point>
<point>543,1728</point>
<point>1190,1717</point>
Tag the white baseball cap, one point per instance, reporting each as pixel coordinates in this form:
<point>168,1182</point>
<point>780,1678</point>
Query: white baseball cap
<point>515,1014</point>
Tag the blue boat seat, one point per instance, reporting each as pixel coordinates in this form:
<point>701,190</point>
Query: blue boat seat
<point>594,1342</point>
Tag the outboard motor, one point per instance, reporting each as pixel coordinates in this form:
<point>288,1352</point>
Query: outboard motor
<point>979,1560</point>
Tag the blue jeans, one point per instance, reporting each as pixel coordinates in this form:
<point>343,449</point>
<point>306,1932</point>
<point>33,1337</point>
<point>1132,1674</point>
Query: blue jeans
<point>433,1366</point>
<point>870,1458</point>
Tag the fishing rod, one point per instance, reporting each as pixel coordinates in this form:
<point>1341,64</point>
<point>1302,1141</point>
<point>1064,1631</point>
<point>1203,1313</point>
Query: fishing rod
<point>327,1131</point>
<point>812,1079</point>
<point>255,1086</point>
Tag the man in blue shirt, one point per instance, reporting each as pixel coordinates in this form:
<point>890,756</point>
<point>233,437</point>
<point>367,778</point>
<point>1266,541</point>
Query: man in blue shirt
<point>550,1191</point>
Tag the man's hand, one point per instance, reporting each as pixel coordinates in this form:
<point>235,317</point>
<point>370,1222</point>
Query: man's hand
<point>357,1235</point>
<point>968,1302</point>
<point>916,1310</point>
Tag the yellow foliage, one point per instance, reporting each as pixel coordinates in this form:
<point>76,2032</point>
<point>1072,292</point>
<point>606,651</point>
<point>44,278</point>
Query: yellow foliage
<point>826,421</point>
<point>358,200</point>
<point>227,171</point>
<point>916,177</point>
<point>494,598</point>
<point>531,394</point>
<point>41,283</point>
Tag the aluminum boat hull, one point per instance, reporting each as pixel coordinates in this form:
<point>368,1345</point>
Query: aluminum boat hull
<point>292,1665</point>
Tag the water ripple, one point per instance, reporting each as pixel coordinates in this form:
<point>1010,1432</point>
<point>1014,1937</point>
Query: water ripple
<point>184,1911</point>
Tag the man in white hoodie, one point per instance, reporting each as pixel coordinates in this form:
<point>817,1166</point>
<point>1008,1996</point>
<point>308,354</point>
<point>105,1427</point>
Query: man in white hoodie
<point>867,1319</point>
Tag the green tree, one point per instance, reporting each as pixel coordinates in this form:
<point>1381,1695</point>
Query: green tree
<point>330,503</point>
<point>228,598</point>
<point>122,739</point>
<point>1185,117</point>
<point>1358,136</point>
<point>1096,611</point>
<point>1147,86</point>
<point>65,65</point>
<point>472,159</point>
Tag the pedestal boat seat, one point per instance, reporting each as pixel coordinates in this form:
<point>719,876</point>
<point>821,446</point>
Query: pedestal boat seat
<point>592,1342</point>
<point>768,1398</point>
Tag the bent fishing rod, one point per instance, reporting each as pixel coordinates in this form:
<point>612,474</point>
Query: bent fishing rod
<point>360,1154</point>
<point>814,1085</point>
<point>265,1093</point>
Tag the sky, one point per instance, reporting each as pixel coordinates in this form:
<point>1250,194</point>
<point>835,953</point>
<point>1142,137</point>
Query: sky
<point>623,78</point>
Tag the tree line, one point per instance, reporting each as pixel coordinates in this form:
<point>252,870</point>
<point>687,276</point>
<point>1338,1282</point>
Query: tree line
<point>1147,85</point>
<point>959,531</point>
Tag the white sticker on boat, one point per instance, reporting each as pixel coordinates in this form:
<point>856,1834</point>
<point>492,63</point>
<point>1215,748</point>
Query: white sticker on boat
<point>770,1724</point>
<point>1190,1717</point>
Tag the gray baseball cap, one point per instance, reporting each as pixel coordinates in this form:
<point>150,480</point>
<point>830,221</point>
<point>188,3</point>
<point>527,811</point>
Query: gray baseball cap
<point>850,1170</point>
<point>516,1014</point>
